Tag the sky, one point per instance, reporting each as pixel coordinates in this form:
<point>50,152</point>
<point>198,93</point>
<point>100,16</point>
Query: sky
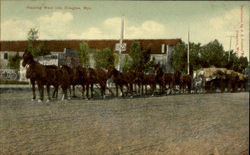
<point>78,19</point>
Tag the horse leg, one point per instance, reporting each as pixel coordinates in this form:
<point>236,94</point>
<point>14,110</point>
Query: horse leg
<point>142,91</point>
<point>135,89</point>
<point>70,90</point>
<point>127,86</point>
<point>116,87</point>
<point>131,89</point>
<point>83,89</point>
<point>64,93</point>
<point>33,90</point>
<point>48,93</point>
<point>57,87</point>
<point>121,88</point>
<point>103,91</point>
<point>92,90</point>
<point>74,95</point>
<point>87,88</point>
<point>40,87</point>
<point>152,86</point>
<point>54,92</point>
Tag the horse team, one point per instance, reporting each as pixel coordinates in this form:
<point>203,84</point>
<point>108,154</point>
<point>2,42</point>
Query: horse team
<point>134,82</point>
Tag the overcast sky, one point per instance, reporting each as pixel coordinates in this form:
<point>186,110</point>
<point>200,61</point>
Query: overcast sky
<point>143,20</point>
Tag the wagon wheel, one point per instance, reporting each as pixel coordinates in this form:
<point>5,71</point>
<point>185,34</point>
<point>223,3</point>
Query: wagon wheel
<point>12,76</point>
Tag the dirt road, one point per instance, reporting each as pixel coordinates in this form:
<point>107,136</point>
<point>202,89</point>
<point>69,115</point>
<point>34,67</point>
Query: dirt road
<point>180,124</point>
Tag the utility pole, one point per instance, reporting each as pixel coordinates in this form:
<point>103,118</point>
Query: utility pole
<point>121,39</point>
<point>188,70</point>
<point>230,47</point>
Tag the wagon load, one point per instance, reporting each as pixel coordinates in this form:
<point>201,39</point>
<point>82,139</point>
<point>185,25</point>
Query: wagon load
<point>211,73</point>
<point>241,76</point>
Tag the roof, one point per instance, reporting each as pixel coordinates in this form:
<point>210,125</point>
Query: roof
<point>59,45</point>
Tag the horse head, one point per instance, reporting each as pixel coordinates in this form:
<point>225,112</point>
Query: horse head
<point>27,58</point>
<point>111,71</point>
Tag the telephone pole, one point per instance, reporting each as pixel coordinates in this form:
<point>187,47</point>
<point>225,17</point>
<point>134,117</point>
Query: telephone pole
<point>230,47</point>
<point>121,39</point>
<point>188,70</point>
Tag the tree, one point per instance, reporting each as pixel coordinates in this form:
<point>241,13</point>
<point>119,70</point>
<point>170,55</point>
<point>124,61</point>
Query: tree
<point>141,60</point>
<point>179,59</point>
<point>33,34</point>
<point>104,58</point>
<point>212,54</point>
<point>39,50</point>
<point>126,64</point>
<point>83,53</point>
<point>14,61</point>
<point>117,59</point>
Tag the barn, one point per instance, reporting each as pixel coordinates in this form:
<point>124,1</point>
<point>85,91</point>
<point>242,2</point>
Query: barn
<point>161,49</point>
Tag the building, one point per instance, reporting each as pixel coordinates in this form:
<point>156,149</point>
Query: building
<point>161,49</point>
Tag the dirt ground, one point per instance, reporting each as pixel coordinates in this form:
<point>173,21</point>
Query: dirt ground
<point>178,124</point>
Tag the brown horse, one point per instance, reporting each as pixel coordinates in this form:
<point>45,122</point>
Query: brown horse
<point>149,79</point>
<point>139,81</point>
<point>36,73</point>
<point>43,75</point>
<point>178,81</point>
<point>122,79</point>
<point>160,78</point>
<point>169,80</point>
<point>187,82</point>
<point>79,78</point>
<point>98,76</point>
<point>163,79</point>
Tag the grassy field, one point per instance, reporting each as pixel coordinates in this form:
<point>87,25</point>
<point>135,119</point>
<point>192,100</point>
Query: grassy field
<point>180,124</point>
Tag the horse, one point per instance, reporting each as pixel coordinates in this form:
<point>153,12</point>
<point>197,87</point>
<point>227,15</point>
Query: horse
<point>120,79</point>
<point>79,78</point>
<point>178,80</point>
<point>169,80</point>
<point>43,75</point>
<point>164,79</point>
<point>149,79</point>
<point>160,78</point>
<point>139,81</point>
<point>96,76</point>
<point>36,73</point>
<point>187,82</point>
<point>70,74</point>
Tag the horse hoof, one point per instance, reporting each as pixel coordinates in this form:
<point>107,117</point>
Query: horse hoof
<point>48,100</point>
<point>104,97</point>
<point>69,98</point>
<point>39,101</point>
<point>131,96</point>
<point>32,100</point>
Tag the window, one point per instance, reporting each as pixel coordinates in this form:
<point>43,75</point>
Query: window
<point>5,56</point>
<point>162,48</point>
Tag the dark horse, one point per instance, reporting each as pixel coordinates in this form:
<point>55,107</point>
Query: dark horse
<point>160,78</point>
<point>164,79</point>
<point>79,78</point>
<point>43,75</point>
<point>36,73</point>
<point>178,81</point>
<point>96,76</point>
<point>122,79</point>
<point>145,80</point>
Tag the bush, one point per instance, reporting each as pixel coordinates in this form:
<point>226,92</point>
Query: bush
<point>14,61</point>
<point>104,58</point>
